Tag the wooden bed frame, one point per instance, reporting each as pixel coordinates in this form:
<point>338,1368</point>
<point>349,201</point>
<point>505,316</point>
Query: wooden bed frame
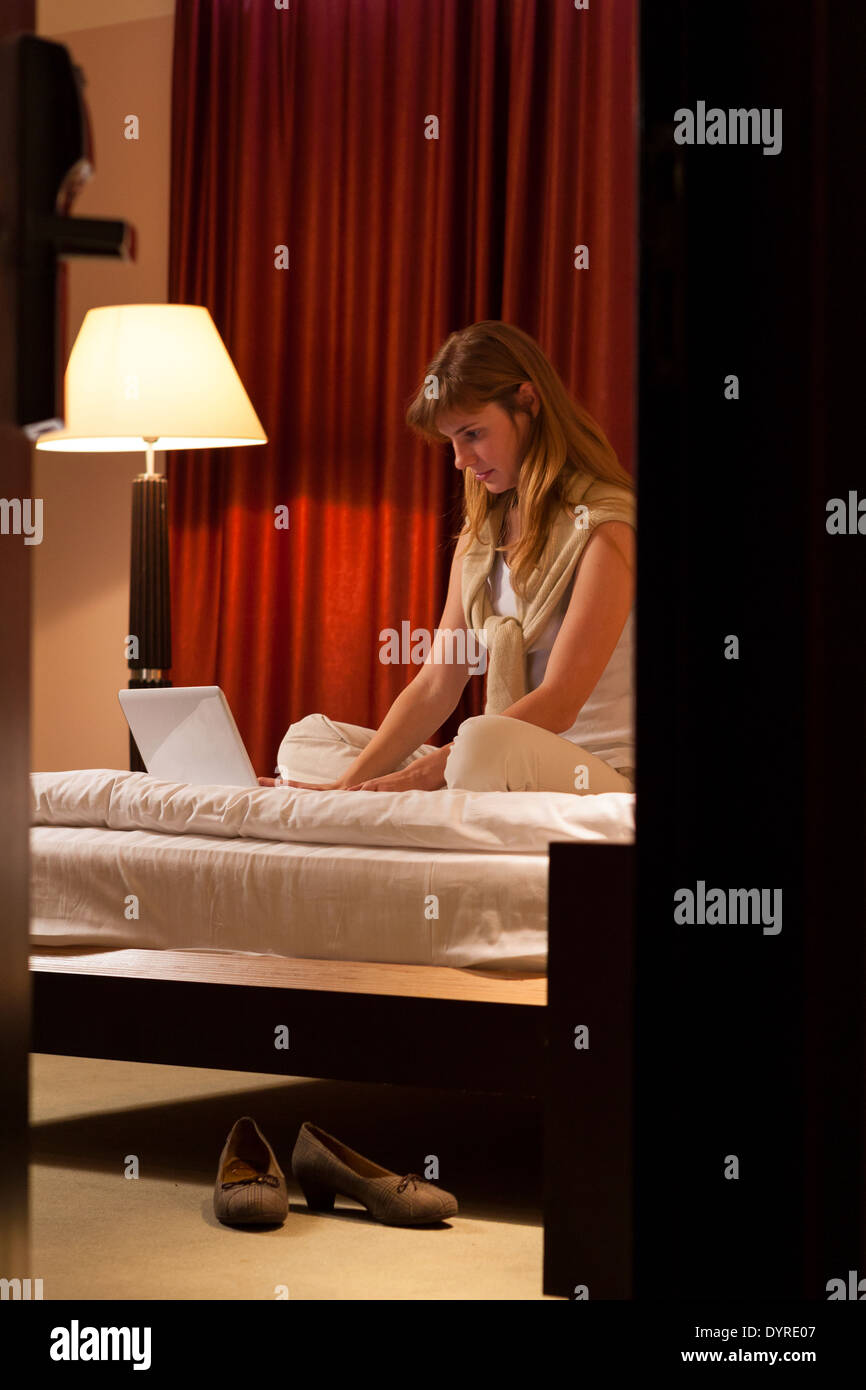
<point>409,1025</point>
<point>347,1020</point>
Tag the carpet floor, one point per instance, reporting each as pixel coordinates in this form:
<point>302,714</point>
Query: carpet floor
<point>98,1234</point>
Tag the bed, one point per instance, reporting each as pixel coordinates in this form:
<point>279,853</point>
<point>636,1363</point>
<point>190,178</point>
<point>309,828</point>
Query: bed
<point>449,878</point>
<point>388,937</point>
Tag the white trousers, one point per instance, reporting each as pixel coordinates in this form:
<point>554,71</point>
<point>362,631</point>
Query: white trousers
<point>491,753</point>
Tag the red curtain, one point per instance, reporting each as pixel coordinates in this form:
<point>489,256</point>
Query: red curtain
<point>305,128</point>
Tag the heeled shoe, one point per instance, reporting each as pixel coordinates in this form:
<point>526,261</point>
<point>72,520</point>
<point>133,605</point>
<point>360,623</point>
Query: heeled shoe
<point>323,1166</point>
<point>250,1186</point>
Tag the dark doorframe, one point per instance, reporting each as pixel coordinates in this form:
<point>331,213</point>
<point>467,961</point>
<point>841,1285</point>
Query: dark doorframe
<point>748,1169</point>
<point>749,1045</point>
<point>17,16</point>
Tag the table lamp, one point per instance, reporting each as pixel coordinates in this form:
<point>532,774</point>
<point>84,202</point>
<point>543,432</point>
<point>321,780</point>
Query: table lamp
<point>151,377</point>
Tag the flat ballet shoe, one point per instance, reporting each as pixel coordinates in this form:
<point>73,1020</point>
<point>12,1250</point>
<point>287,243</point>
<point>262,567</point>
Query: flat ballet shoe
<point>250,1187</point>
<point>323,1167</point>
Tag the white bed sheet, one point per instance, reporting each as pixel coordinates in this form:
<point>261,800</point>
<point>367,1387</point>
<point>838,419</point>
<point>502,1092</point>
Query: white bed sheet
<point>426,878</point>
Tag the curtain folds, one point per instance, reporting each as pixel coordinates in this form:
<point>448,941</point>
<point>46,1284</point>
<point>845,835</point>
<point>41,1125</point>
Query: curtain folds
<point>304,129</point>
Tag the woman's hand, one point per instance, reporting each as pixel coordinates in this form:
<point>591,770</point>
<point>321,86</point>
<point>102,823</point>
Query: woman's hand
<point>425,774</point>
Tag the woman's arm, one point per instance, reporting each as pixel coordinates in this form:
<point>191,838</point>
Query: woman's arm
<point>600,602</point>
<point>424,705</point>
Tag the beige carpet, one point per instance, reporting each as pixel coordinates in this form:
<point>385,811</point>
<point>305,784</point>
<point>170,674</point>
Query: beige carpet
<point>97,1234</point>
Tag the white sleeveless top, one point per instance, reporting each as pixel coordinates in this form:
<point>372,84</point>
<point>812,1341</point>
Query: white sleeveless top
<point>605,724</point>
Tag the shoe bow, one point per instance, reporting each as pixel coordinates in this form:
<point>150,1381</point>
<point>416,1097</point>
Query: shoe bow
<point>413,1178</point>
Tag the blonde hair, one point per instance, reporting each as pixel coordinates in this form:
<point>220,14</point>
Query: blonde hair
<point>487,362</point>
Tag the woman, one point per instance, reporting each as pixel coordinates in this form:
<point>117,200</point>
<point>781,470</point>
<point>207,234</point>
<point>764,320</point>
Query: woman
<point>542,577</point>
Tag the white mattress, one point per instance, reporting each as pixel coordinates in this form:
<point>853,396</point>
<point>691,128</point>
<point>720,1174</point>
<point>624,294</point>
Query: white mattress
<point>425,878</point>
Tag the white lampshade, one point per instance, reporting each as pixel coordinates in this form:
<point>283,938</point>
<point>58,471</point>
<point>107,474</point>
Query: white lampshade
<point>152,372</point>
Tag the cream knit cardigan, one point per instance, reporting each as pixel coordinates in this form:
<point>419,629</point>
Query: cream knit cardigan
<point>591,502</point>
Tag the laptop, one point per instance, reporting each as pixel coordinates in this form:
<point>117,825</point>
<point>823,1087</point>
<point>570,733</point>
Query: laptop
<point>186,733</point>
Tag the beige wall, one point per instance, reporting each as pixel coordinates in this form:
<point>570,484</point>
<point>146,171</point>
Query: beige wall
<point>81,569</point>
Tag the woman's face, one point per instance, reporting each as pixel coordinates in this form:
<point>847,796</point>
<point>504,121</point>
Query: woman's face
<point>489,442</point>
